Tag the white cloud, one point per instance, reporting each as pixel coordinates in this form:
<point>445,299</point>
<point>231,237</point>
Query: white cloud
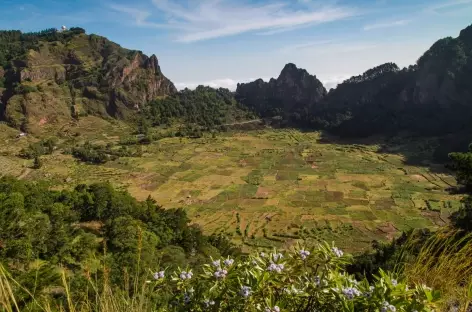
<point>386,24</point>
<point>208,19</point>
<point>231,84</point>
<point>227,83</point>
<point>333,81</point>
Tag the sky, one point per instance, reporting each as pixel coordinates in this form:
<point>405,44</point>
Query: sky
<point>223,42</point>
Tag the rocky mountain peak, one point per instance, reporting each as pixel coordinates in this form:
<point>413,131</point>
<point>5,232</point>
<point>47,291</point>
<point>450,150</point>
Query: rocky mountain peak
<point>294,91</point>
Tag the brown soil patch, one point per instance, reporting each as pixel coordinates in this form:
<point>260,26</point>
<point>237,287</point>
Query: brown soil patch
<point>335,196</point>
<point>435,217</point>
<point>262,192</point>
<point>417,178</point>
<point>307,217</point>
<point>387,229</point>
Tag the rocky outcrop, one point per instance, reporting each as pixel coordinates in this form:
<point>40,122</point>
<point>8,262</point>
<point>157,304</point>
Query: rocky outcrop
<point>102,77</point>
<point>140,82</point>
<point>292,95</point>
<point>55,73</point>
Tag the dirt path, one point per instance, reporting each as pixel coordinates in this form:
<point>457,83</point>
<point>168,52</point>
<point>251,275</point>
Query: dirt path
<point>242,122</point>
<point>24,173</point>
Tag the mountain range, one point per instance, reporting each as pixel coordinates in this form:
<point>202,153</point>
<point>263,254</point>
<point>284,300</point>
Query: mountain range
<point>51,77</point>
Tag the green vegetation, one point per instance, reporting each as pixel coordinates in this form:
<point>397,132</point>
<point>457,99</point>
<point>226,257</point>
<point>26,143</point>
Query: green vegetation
<point>272,178</point>
<point>43,147</point>
<point>297,280</point>
<point>204,106</point>
<point>85,228</point>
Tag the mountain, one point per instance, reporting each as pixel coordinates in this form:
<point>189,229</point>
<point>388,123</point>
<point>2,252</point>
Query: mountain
<point>431,97</point>
<point>293,94</point>
<point>50,77</point>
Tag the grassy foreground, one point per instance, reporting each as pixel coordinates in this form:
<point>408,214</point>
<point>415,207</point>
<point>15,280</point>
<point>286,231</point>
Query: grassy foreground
<point>299,279</point>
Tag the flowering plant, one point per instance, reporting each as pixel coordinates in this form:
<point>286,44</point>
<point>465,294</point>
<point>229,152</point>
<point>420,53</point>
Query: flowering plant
<point>297,280</point>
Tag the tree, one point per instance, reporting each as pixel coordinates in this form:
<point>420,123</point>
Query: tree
<point>462,165</point>
<point>37,163</point>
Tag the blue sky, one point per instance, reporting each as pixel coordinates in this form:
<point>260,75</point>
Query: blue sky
<point>221,42</point>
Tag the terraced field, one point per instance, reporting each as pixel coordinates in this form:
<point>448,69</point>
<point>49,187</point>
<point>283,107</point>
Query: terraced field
<point>272,187</point>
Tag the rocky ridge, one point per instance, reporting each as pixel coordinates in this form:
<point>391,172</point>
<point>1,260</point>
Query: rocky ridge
<point>64,76</point>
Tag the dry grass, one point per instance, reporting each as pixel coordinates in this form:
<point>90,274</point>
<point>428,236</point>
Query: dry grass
<point>445,263</point>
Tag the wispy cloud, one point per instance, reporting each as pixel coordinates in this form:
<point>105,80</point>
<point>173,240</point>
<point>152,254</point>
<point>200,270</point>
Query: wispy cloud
<point>209,19</point>
<point>327,47</point>
<point>387,24</point>
<point>301,46</point>
<point>140,17</point>
<point>439,8</point>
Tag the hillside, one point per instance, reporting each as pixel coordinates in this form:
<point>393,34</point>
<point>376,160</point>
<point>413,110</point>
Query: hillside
<point>51,77</point>
<point>432,97</point>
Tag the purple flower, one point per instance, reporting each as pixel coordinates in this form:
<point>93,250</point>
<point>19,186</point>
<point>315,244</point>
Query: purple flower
<point>304,254</point>
<point>186,275</point>
<point>317,280</point>
<point>186,298</point>
<point>159,275</point>
<point>351,292</point>
<point>216,263</point>
<point>275,267</point>
<point>229,262</point>
<point>245,291</point>
<point>338,252</point>
<point>262,255</point>
<point>277,256</point>
<point>208,303</point>
<point>388,307</point>
<point>220,273</point>
<point>394,282</point>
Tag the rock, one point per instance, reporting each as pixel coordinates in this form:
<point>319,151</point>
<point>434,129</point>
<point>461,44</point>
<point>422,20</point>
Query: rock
<point>291,95</point>
<point>103,79</point>
<point>35,74</point>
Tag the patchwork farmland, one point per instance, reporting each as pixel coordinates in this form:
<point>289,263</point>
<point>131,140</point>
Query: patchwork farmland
<point>272,187</point>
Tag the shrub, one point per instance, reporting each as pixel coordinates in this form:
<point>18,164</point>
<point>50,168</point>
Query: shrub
<point>298,280</point>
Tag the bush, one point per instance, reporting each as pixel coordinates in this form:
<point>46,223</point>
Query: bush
<point>25,89</point>
<point>298,280</point>
<point>43,147</point>
<point>91,154</point>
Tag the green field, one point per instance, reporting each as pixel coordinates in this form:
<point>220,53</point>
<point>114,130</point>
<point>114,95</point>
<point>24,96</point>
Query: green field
<point>265,188</point>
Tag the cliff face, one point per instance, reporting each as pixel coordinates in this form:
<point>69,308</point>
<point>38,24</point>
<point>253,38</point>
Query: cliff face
<point>92,74</point>
<point>433,96</point>
<point>292,95</point>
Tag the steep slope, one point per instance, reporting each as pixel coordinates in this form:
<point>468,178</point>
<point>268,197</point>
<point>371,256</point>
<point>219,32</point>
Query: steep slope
<point>432,97</point>
<point>50,77</point>
<point>292,95</point>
